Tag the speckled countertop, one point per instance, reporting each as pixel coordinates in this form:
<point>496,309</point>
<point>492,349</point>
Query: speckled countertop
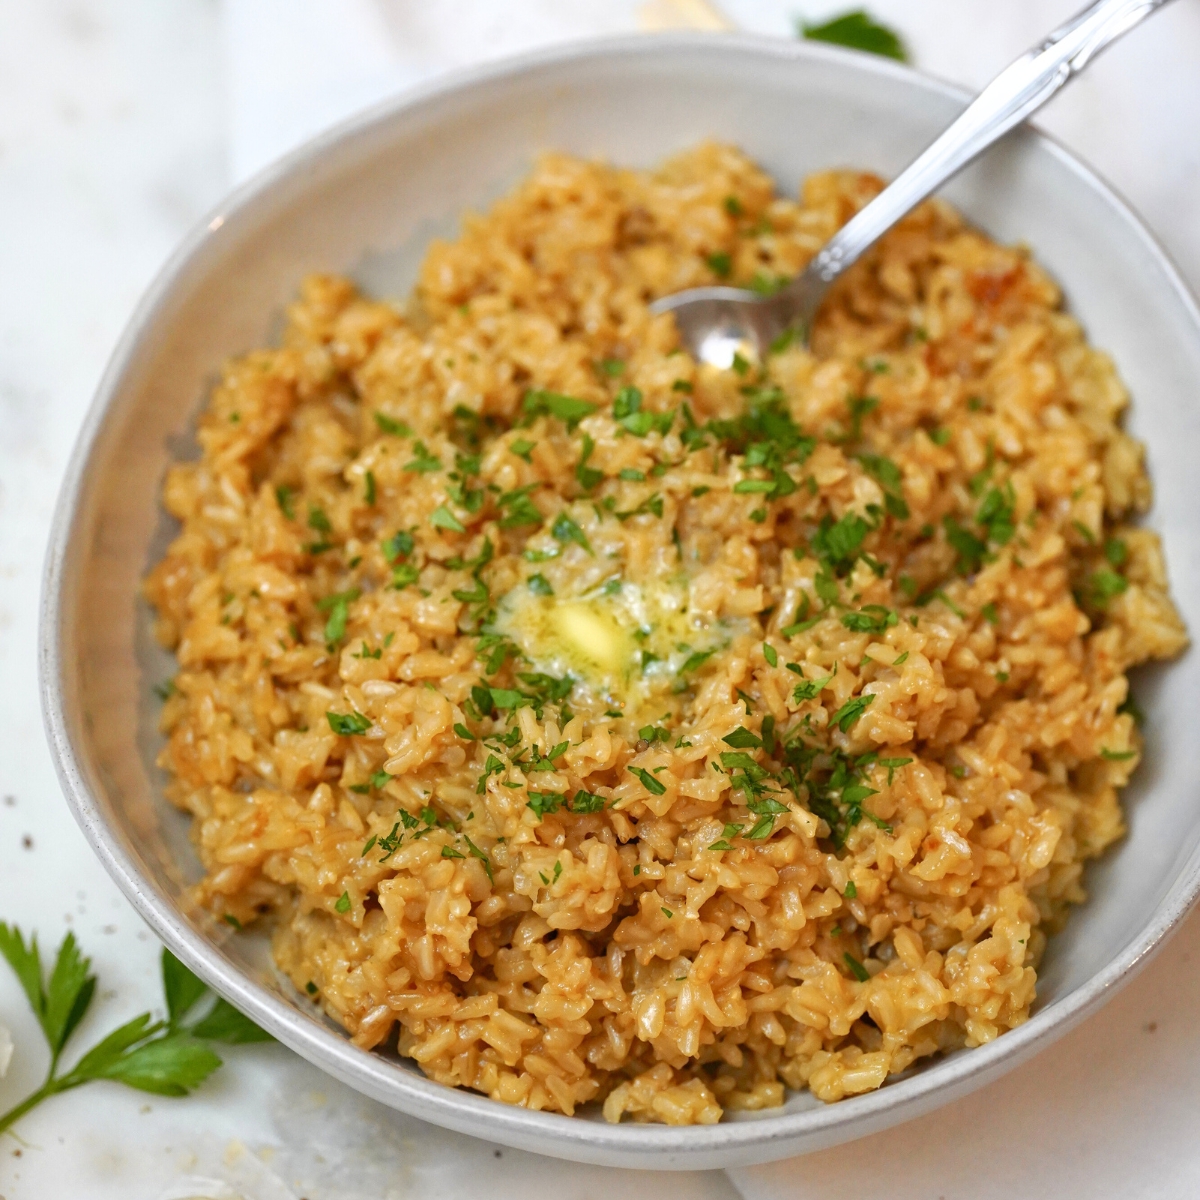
<point>121,122</point>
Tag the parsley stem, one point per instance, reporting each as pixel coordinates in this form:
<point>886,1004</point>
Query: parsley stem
<point>50,1088</point>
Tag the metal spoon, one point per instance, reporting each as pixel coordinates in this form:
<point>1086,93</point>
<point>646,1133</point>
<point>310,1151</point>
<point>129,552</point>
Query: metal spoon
<point>715,322</point>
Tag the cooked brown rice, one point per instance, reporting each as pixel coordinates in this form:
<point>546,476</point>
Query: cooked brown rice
<point>842,640</point>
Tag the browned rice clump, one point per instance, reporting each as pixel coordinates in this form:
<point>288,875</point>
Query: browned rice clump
<point>848,634</point>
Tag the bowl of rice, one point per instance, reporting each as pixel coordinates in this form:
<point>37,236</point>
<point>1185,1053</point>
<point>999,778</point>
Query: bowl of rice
<point>605,754</point>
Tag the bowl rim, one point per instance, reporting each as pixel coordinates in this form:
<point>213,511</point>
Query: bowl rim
<point>647,1146</point>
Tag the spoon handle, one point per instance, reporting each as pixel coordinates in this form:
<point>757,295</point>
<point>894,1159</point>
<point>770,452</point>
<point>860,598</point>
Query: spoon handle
<point>1018,91</point>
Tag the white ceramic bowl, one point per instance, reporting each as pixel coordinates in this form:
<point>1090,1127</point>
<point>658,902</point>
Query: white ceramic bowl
<point>366,199</point>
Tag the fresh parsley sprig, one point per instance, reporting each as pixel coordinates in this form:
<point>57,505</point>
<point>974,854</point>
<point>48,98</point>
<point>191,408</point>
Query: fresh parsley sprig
<point>168,1058</point>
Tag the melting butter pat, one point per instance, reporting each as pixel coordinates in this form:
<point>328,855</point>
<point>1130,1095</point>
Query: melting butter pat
<point>592,636</point>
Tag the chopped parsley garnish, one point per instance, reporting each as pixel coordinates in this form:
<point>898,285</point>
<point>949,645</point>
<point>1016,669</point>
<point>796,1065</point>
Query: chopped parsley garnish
<point>283,497</point>
<point>629,414</point>
<point>742,739</point>
<point>318,520</point>
<point>851,890</point>
<point>847,716</point>
<point>893,765</point>
<point>518,509</point>
<point>443,518</point>
<point>522,448</point>
<point>890,477</point>
<point>807,689</point>
<point>652,506</point>
<point>1117,755</point>
<point>966,545</point>
<point>566,530</point>
<point>338,608</point>
<point>586,802</point>
<point>695,660</point>
<point>343,903</point>
<point>1116,551</point>
<point>404,575</point>
<point>859,407</point>
<point>837,543</point>
<point>543,803</point>
<point>475,852</point>
<point>493,766</point>
<point>390,425</point>
<point>348,724</point>
<point>720,263</point>
<point>652,785</point>
<point>424,462</point>
<point>569,409</point>
<point>871,618</point>
<point>539,585</point>
<point>770,654</point>
<point>856,968</point>
<point>1104,585</point>
<point>995,514</point>
<point>399,545</point>
<point>588,477</point>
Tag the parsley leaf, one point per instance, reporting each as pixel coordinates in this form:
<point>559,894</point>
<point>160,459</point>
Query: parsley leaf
<point>629,414</point>
<point>742,739</point>
<point>652,785</point>
<point>856,968</point>
<point>338,608</point>
<point>443,518</point>
<point>857,30</point>
<point>847,716</point>
<point>966,545</point>
<point>518,509</point>
<point>836,543</point>
<point>167,1058</point>
<point>348,724</point>
<point>391,425</point>
<point>565,529</point>
<point>424,461</point>
<point>568,409</point>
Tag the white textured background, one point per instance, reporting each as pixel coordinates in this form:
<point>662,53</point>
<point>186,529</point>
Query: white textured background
<point>121,122</point>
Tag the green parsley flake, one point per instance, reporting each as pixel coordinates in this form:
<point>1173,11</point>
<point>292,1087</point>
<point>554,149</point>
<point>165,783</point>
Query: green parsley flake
<point>652,785</point>
<point>565,530</point>
<point>856,968</point>
<point>348,724</point>
<point>391,426</point>
<point>569,409</point>
<point>443,518</point>
<point>847,716</point>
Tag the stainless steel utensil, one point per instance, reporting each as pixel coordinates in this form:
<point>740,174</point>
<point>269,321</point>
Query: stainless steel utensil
<point>715,322</point>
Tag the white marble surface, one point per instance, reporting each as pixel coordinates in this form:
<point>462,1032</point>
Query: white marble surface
<point>121,121</point>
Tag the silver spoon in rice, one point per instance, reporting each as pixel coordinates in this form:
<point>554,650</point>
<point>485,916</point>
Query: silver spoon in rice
<point>715,322</point>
